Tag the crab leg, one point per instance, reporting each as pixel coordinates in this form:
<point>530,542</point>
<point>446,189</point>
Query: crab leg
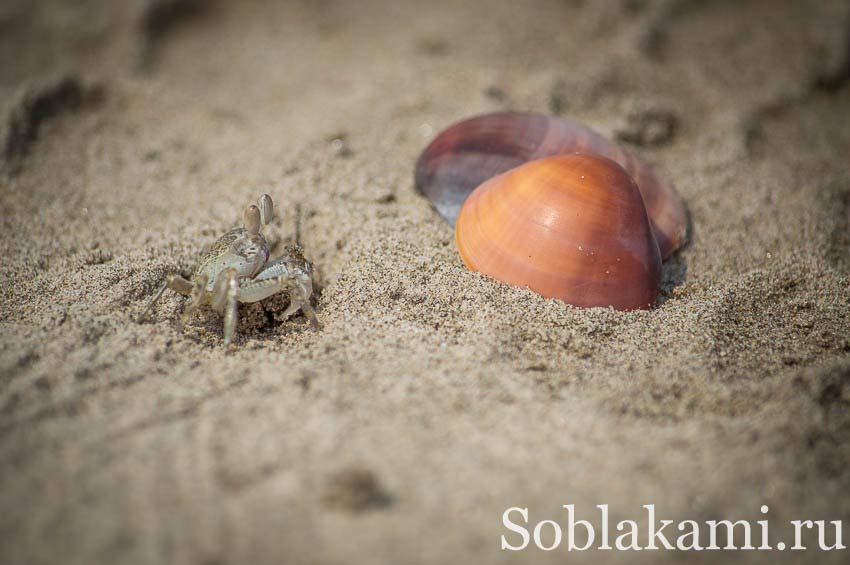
<point>300,288</point>
<point>196,298</point>
<point>224,298</point>
<point>299,299</point>
<point>175,283</point>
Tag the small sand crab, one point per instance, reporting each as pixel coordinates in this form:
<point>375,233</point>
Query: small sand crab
<point>236,269</point>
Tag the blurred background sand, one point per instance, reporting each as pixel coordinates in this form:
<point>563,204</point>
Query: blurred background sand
<point>134,133</point>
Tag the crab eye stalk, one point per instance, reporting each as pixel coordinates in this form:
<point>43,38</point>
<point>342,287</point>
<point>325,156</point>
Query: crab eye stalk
<point>266,209</point>
<point>252,219</point>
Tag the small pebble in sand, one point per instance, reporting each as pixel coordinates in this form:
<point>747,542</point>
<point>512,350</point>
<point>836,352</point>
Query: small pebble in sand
<point>649,128</point>
<point>356,489</point>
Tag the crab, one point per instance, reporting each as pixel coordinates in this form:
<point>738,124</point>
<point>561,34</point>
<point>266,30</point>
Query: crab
<point>237,269</point>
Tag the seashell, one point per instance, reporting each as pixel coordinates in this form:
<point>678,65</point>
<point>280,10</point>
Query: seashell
<point>572,227</point>
<point>471,151</point>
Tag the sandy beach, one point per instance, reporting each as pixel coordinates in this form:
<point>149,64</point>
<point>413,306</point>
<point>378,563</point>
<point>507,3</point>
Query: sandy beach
<point>133,134</point>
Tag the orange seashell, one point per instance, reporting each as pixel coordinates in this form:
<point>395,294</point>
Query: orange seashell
<point>572,227</point>
<point>473,150</point>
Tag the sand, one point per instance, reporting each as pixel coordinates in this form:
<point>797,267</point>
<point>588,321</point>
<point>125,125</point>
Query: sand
<point>133,134</point>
